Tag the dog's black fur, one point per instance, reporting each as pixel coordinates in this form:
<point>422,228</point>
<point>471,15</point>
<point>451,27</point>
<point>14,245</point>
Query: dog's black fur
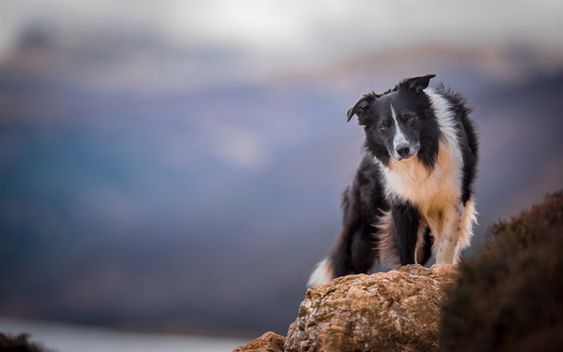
<point>415,130</point>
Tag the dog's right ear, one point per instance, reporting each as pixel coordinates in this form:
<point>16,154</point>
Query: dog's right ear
<point>361,106</point>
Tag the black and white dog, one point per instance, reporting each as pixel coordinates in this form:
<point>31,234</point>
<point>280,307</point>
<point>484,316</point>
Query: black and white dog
<point>412,196</point>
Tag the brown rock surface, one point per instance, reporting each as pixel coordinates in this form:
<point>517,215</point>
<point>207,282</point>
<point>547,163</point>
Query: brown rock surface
<point>392,311</point>
<point>268,342</point>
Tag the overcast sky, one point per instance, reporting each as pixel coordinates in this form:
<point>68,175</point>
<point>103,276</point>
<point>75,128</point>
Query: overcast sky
<point>273,27</point>
<point>202,42</point>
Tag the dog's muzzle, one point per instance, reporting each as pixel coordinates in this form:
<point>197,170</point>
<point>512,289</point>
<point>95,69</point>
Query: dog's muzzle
<point>405,151</point>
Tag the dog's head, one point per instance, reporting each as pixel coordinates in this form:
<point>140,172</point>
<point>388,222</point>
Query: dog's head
<point>395,121</point>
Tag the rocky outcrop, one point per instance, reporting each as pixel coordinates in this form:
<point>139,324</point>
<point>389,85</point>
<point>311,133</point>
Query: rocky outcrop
<point>268,342</point>
<point>392,311</point>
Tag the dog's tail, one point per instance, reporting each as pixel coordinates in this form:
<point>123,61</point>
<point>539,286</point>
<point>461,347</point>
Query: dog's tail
<point>354,251</point>
<point>323,273</point>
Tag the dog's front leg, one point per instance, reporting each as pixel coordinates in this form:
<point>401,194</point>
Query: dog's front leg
<point>449,235</point>
<point>406,219</point>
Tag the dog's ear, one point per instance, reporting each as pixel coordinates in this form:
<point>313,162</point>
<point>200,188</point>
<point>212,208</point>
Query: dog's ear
<point>361,107</point>
<point>417,84</point>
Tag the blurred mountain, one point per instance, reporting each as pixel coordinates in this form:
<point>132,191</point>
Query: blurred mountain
<point>132,203</point>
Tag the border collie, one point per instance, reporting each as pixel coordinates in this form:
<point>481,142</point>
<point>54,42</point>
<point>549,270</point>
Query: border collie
<point>412,196</point>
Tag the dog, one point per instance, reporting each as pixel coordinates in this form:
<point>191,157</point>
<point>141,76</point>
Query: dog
<point>412,198</point>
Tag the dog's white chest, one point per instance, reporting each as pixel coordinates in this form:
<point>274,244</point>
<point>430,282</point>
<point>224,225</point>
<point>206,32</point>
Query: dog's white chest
<point>410,180</point>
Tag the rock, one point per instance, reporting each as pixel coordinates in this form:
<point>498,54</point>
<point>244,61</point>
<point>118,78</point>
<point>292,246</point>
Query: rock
<point>268,342</point>
<point>391,311</point>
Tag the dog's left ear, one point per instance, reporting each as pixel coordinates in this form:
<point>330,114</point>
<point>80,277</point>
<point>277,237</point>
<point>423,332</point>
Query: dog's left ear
<point>417,84</point>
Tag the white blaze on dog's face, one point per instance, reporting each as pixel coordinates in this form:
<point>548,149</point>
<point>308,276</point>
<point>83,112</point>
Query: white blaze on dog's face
<point>403,147</point>
<point>395,122</point>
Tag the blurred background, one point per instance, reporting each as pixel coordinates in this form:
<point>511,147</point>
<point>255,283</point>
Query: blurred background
<point>176,166</point>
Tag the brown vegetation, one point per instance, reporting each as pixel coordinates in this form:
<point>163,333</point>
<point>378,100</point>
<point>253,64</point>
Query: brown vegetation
<point>509,296</point>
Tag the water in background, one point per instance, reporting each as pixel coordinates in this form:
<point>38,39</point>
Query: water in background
<point>68,338</point>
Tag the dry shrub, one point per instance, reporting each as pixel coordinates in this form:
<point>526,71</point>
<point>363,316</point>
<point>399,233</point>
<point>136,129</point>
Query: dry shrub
<point>509,297</point>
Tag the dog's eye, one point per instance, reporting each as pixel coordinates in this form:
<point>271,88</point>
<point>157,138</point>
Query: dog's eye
<point>383,125</point>
<point>408,118</point>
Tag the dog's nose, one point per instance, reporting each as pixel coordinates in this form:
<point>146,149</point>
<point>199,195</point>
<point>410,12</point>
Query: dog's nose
<point>403,150</point>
